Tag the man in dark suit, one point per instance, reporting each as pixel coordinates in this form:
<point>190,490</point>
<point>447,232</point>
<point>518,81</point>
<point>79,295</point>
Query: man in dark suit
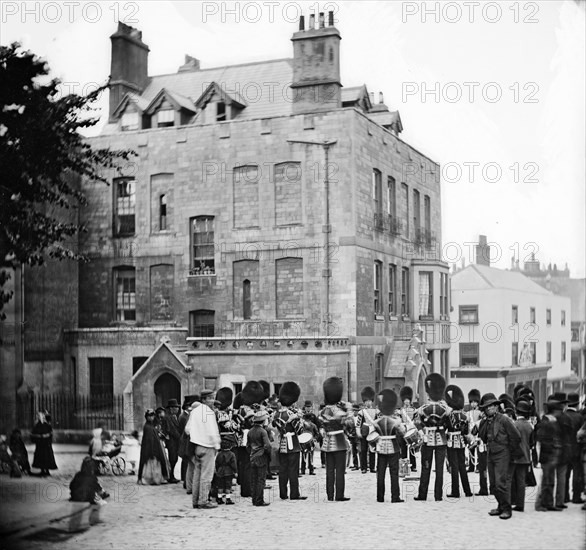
<point>172,430</point>
<point>575,469</point>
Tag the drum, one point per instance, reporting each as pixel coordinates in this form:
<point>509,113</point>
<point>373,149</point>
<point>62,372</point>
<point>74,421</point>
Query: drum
<point>305,440</point>
<point>372,437</point>
<point>412,436</point>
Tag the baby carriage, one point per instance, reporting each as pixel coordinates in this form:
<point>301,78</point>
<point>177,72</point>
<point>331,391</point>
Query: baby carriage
<point>108,460</point>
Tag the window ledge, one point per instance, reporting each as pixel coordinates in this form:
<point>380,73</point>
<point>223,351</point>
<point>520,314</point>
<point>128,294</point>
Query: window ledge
<point>246,228</point>
<point>469,323</point>
<point>393,317</point>
<point>379,317</point>
<point>196,275</point>
<point>124,236</point>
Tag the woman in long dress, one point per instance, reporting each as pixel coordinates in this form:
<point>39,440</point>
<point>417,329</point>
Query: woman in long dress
<point>152,469</point>
<point>42,435</point>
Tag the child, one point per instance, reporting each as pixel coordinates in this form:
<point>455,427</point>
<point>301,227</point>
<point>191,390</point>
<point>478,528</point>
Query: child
<point>525,428</point>
<point>259,447</point>
<point>225,471</point>
<point>131,448</point>
<point>19,452</point>
<point>85,487</point>
<point>7,459</point>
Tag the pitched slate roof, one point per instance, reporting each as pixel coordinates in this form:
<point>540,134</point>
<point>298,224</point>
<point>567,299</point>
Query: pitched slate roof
<point>481,277</point>
<point>264,87</point>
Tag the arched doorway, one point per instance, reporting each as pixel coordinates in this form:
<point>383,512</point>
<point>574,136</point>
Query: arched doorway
<point>167,387</point>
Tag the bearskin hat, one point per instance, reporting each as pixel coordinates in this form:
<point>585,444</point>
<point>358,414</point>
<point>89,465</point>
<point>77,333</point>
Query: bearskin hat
<point>454,397</point>
<point>474,395</point>
<point>435,384</point>
<point>252,393</point>
<point>289,393</point>
<point>525,392</point>
<point>406,393</point>
<point>238,401</point>
<point>367,393</point>
<point>333,390</point>
<point>224,396</point>
<point>387,402</point>
<point>266,388</point>
<point>507,403</point>
<point>517,389</point>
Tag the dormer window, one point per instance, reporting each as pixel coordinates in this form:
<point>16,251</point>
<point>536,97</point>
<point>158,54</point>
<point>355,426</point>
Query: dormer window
<point>165,118</point>
<point>129,121</point>
<point>220,111</point>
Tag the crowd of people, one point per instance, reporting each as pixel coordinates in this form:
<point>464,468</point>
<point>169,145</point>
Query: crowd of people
<point>221,438</point>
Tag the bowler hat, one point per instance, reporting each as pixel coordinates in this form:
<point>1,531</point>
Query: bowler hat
<point>172,403</point>
<point>553,404</point>
<point>523,407</point>
<point>488,399</point>
<point>573,399</point>
<point>559,396</point>
<point>206,393</point>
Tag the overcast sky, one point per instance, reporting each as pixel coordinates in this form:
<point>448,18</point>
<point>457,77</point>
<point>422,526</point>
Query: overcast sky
<point>509,77</point>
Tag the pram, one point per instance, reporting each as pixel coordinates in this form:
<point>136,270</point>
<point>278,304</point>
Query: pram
<point>108,462</point>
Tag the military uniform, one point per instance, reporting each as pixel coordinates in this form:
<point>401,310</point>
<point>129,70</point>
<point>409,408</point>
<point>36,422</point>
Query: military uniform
<point>388,448</point>
<point>334,443</point>
<point>457,428</point>
<point>364,425</point>
<point>431,418</point>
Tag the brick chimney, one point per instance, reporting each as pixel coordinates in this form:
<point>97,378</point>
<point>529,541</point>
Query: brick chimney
<point>482,252</point>
<point>191,64</point>
<point>316,66</point>
<point>129,69</point>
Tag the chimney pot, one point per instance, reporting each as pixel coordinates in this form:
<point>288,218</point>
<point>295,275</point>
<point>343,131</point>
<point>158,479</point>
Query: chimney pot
<point>330,18</point>
<point>311,22</point>
<point>321,20</point>
<point>302,23</point>
<point>380,97</point>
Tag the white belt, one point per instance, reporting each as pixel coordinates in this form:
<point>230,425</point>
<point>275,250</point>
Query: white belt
<point>430,428</point>
<point>335,433</point>
<point>388,437</point>
<point>454,433</point>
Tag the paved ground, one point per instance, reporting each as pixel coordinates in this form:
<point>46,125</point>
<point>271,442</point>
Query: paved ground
<point>137,516</point>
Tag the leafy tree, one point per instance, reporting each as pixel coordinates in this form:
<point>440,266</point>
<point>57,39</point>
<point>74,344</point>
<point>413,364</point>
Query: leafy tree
<point>43,158</point>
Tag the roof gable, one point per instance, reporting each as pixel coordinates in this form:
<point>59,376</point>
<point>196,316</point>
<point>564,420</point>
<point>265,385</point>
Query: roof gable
<point>480,277</point>
<point>176,100</point>
<point>138,101</point>
<point>232,98</point>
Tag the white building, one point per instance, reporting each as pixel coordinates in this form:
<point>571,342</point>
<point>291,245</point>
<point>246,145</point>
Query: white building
<point>507,330</point>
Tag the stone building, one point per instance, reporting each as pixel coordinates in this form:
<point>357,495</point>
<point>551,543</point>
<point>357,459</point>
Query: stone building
<point>273,225</point>
<point>506,330</point>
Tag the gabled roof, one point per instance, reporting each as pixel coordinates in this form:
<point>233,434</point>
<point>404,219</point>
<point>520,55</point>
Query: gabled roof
<point>355,94</point>
<point>147,363</point>
<point>481,277</point>
<point>140,102</point>
<point>262,86</point>
<point>177,100</point>
<point>229,97</point>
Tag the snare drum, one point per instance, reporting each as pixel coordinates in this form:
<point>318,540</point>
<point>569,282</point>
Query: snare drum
<point>412,436</point>
<point>305,440</point>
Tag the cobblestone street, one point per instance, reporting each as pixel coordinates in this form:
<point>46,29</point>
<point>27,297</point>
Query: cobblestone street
<point>139,516</point>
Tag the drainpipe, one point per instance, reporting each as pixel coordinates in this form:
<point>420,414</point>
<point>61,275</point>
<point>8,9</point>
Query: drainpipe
<point>327,273</point>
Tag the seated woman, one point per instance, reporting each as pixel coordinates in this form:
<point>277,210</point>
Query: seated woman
<point>19,452</point>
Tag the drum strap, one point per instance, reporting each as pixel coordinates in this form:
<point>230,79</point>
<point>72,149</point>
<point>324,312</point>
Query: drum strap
<point>336,432</point>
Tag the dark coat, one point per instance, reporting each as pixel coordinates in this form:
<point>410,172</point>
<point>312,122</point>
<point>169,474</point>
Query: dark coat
<point>152,447</point>
<point>500,433</point>
<point>42,435</point>
<point>85,485</point>
<point>184,438</point>
<point>226,464</point>
<point>549,434</point>
<point>20,454</point>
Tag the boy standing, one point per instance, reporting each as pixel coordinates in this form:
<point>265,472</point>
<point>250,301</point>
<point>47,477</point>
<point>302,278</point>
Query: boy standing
<point>259,447</point>
<point>225,471</point>
<point>523,409</point>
